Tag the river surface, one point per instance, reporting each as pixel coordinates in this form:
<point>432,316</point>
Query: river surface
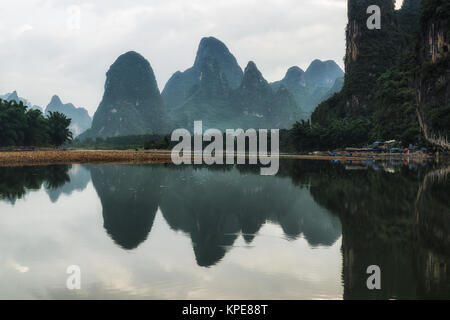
<point>167,232</point>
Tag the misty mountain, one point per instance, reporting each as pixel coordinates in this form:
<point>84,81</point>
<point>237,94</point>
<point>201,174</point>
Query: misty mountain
<point>132,103</point>
<point>214,90</point>
<point>323,73</point>
<point>81,121</point>
<point>309,88</point>
<point>182,85</point>
<point>262,107</point>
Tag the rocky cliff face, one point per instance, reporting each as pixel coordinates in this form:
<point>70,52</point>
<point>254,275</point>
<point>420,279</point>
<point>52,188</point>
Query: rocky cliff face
<point>323,73</point>
<point>437,44</point>
<point>357,31</point>
<point>387,68</point>
<point>433,84</point>
<point>226,62</point>
<point>259,106</point>
<point>409,15</point>
<point>208,99</point>
<point>254,91</point>
<point>311,87</point>
<point>435,36</point>
<point>132,103</point>
<point>368,52</point>
<point>295,82</point>
<point>81,121</point>
<point>252,105</point>
<point>216,91</point>
<point>378,86</point>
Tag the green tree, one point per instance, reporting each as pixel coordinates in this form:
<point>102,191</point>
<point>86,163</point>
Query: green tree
<point>36,130</point>
<point>12,123</point>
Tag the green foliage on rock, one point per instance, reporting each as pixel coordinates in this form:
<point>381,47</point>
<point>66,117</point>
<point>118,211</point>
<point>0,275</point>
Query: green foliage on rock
<point>131,104</point>
<point>378,100</point>
<point>395,104</point>
<point>339,132</point>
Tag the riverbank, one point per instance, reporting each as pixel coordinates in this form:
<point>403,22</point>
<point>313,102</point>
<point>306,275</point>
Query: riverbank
<point>49,157</point>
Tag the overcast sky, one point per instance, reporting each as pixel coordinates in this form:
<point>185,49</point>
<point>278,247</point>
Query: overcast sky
<point>65,47</point>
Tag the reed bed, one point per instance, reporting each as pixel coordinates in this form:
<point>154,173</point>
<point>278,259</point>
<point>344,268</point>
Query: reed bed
<point>49,157</point>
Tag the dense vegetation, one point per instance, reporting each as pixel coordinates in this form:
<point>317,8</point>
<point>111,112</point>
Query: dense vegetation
<point>378,100</point>
<point>340,132</point>
<point>147,141</point>
<point>433,77</point>
<point>20,126</point>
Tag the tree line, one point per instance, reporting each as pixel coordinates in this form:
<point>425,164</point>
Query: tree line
<point>24,127</point>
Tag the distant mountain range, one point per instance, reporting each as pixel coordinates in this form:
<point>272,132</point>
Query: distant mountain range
<point>214,90</point>
<point>320,81</point>
<point>81,121</point>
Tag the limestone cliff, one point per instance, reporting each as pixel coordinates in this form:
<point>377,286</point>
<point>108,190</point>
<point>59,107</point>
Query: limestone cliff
<point>433,82</point>
<point>368,52</point>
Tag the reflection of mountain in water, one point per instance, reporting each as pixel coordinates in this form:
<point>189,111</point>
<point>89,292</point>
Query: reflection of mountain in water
<point>376,213</point>
<point>384,224</point>
<point>79,178</point>
<point>130,197</point>
<point>399,221</point>
<point>212,206</point>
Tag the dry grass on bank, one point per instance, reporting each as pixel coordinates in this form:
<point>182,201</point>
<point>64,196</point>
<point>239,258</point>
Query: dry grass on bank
<point>81,156</point>
<point>49,157</point>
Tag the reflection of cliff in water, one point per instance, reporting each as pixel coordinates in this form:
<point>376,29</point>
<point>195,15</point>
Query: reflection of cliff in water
<point>376,213</point>
<point>130,197</point>
<point>380,227</point>
<point>213,206</point>
<point>432,226</point>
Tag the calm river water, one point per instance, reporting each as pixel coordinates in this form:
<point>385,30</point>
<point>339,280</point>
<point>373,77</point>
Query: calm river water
<point>166,232</point>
